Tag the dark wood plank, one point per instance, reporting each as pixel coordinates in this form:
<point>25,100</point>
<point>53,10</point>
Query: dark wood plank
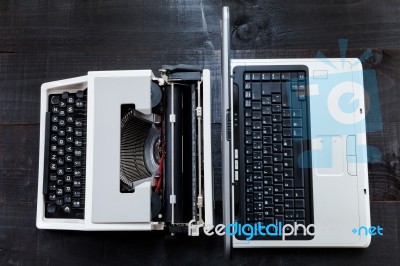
<point>28,26</point>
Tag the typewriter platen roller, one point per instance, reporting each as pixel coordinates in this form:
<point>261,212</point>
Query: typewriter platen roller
<point>148,158</point>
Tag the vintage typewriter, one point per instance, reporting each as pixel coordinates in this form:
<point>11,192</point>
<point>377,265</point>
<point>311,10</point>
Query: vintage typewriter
<point>125,150</point>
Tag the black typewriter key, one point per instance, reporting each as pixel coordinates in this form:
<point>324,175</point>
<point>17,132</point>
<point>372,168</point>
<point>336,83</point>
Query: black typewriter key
<point>67,209</point>
<point>60,182</point>
<point>61,132</point>
<point>77,152</point>
<point>76,193</point>
<point>68,169</point>
<point>78,132</point>
<point>54,138</point>
<point>79,103</point>
<point>59,192</point>
<point>76,203</point>
<point>53,166</point>
<point>70,99</point>
<point>54,128</point>
<point>52,186</point>
<point>51,208</point>
<point>52,196</point>
<point>70,119</point>
<point>67,189</point>
<point>79,94</point>
<point>59,201</point>
<point>70,129</point>
<point>60,171</point>
<point>53,147</point>
<point>70,109</point>
<point>64,95</point>
<point>67,198</point>
<point>53,157</point>
<point>60,161</point>
<point>55,109</point>
<point>68,178</point>
<point>63,104</point>
<point>60,151</point>
<point>78,142</point>
<point>78,123</point>
<point>54,119</point>
<point>68,158</point>
<point>61,142</point>
<point>77,163</point>
<point>69,139</point>
<point>55,99</point>
<point>53,177</point>
<point>61,122</point>
<point>69,148</point>
<point>62,112</point>
<point>77,183</point>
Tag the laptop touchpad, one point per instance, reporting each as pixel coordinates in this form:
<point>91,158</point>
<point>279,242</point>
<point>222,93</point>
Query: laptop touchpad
<point>329,155</point>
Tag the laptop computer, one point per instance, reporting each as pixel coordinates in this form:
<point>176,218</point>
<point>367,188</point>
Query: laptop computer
<point>294,151</point>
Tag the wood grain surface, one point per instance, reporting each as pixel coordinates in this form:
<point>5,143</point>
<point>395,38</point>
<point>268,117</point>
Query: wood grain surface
<point>43,41</point>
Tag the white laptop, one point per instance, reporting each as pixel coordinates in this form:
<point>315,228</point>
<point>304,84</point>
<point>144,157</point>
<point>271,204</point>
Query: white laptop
<point>294,151</point>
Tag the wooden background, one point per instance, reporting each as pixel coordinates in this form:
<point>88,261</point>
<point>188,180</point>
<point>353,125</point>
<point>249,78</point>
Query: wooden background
<point>42,41</point>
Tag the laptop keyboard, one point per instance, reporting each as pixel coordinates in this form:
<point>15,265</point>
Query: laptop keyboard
<point>65,155</point>
<point>274,122</point>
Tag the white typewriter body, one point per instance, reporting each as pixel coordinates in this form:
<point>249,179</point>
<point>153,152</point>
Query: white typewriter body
<point>106,208</point>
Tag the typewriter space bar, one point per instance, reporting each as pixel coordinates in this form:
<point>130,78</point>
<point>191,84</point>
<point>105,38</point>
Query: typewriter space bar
<point>46,155</point>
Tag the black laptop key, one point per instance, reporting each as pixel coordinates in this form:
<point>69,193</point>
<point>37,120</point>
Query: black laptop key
<point>256,91</point>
